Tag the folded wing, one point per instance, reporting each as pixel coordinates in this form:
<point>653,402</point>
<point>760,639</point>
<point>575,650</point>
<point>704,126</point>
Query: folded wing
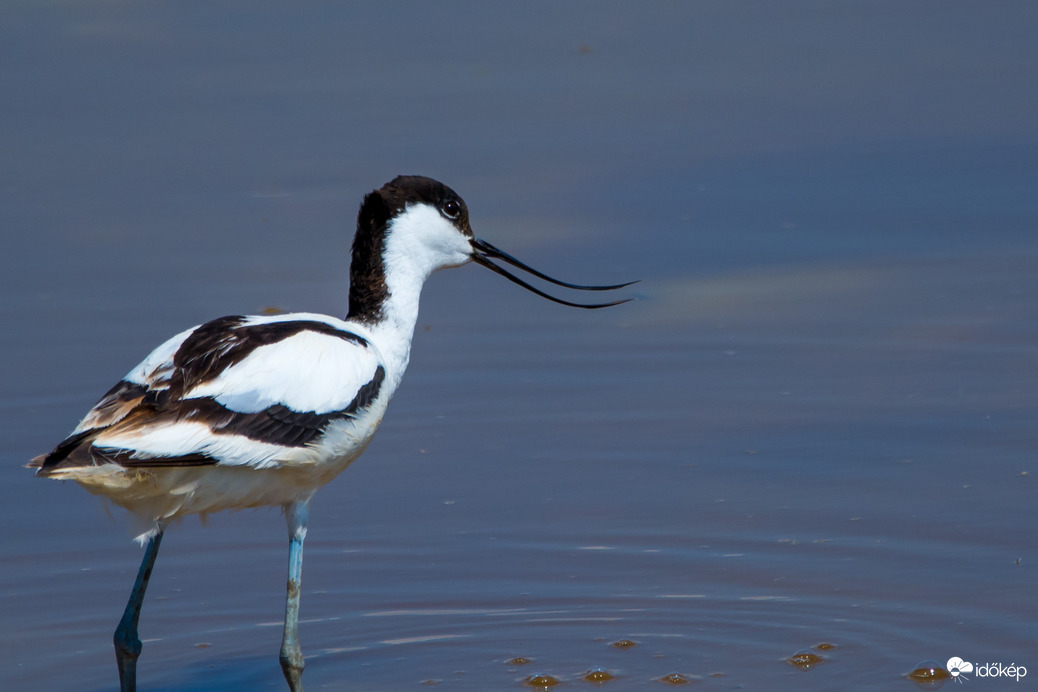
<point>236,391</point>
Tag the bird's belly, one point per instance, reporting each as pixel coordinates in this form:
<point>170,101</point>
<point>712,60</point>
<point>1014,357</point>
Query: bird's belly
<point>159,494</point>
<point>156,494</point>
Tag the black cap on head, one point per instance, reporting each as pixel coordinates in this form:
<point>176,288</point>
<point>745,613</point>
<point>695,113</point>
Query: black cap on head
<point>380,206</point>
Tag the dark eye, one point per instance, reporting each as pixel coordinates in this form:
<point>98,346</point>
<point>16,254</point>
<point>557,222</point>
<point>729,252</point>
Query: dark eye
<point>451,209</point>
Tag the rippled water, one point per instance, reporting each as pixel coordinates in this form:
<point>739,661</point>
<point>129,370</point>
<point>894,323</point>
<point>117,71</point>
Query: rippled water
<point>813,433</point>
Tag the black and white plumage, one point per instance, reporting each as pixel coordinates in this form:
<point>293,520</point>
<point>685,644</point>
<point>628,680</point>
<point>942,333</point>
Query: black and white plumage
<point>264,410</point>
<point>212,406</point>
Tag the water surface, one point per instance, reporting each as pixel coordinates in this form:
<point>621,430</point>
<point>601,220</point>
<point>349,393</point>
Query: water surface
<point>816,425</point>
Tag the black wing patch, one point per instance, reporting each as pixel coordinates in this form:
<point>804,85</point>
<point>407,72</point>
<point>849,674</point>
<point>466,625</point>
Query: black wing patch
<point>124,457</point>
<point>281,425</point>
<point>277,424</point>
<point>219,344</point>
<point>207,352</point>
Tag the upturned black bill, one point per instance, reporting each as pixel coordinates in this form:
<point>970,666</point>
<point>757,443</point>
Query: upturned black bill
<point>483,252</point>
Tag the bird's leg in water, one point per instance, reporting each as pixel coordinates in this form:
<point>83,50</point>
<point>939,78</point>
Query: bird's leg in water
<point>291,654</point>
<point>127,643</point>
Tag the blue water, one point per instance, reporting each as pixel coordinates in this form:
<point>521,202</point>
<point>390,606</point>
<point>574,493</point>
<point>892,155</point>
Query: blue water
<point>816,424</point>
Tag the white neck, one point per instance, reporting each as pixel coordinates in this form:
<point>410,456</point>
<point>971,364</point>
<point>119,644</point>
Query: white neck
<point>393,332</point>
<point>418,243</point>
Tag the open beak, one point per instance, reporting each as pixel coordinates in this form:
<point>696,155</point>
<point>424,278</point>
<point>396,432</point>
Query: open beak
<point>483,252</point>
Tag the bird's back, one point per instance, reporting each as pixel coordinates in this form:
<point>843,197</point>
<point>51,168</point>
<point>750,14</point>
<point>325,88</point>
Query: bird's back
<point>237,412</point>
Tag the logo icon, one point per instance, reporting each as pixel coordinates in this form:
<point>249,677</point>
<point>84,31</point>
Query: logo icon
<point>956,667</point>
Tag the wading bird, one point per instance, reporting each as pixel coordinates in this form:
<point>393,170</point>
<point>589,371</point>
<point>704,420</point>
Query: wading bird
<point>262,411</point>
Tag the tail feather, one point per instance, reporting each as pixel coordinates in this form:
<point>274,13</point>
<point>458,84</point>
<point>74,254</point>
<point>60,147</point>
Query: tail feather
<point>65,454</point>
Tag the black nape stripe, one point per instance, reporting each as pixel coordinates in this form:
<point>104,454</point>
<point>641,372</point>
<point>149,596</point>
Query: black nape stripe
<point>368,290</point>
<point>219,344</point>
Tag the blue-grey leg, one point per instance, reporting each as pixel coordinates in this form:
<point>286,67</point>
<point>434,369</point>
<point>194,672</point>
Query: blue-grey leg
<point>127,643</point>
<point>291,654</point>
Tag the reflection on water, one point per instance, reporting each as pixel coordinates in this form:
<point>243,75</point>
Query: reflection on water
<point>803,457</point>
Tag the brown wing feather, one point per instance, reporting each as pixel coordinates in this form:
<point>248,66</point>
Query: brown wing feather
<point>114,405</point>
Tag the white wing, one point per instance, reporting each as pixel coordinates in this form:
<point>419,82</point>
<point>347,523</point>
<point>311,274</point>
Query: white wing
<point>257,392</point>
